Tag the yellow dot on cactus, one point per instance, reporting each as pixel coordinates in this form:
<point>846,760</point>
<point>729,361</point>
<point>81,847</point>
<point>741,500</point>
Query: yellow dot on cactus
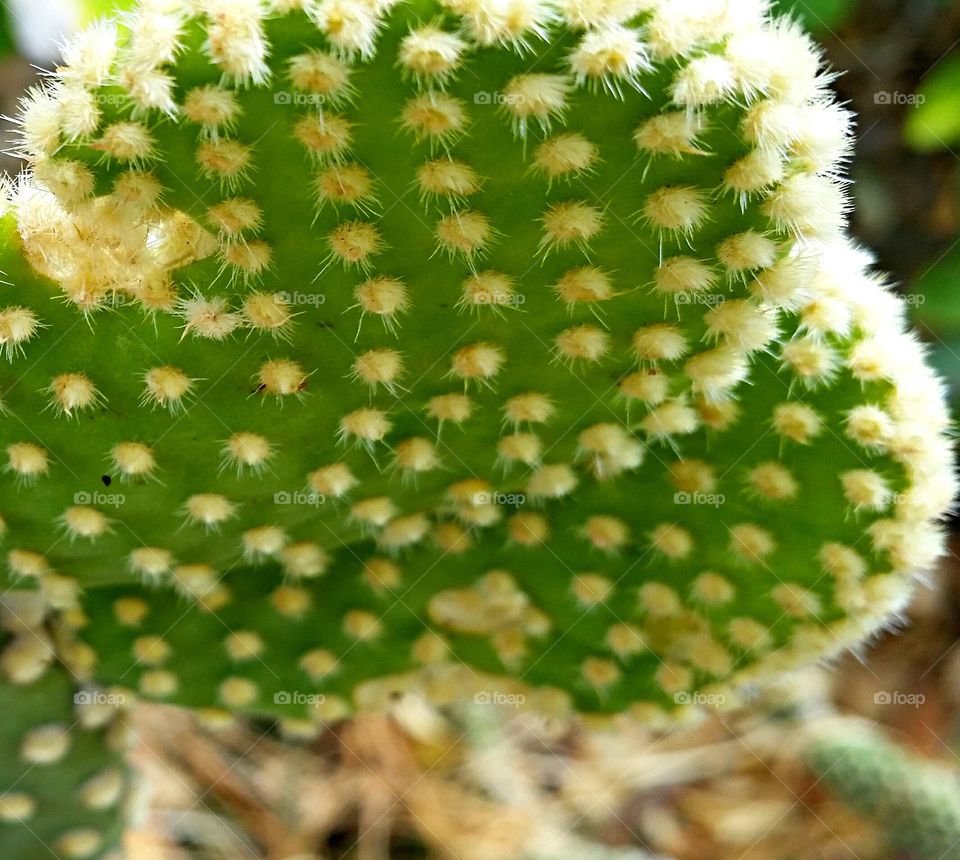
<point>583,342</point>
<point>212,107</point>
<point>151,650</point>
<point>130,611</point>
<point>609,450</point>
<point>434,116</point>
<point>552,482</point>
<point>16,806</point>
<point>467,233</point>
<point>625,640</point>
<point>209,318</point>
<point>529,408</point>
<point>660,342</point>
<point>159,683</point>
<point>150,561</point>
<point>346,184</point>
<point>586,284</point>
<point>24,562</point>
<point>235,216</point>
<point>606,533</point>
<point>678,275</point>
<point>247,451</point>
<point>591,589</point>
<point>263,541</point>
<point>46,744</point>
<point>166,386</point>
<point>334,480</point>
<point>704,81</point>
<point>452,538</point>
<point>674,541</point>
<point>376,511</point>
<point>209,509</point>
<point>660,600</point>
<point>536,97</point>
<point>403,532</point>
<point>869,426</point>
<point>378,367</point>
<point>195,580</point>
<point>672,133</point>
<point>325,136</point>
<point>648,386</point>
<point>797,421</point>
<point>842,562</point>
<point>713,589</point>
<point>242,645</point>
<point>415,455</point>
<point>600,673</point>
<point>430,648</point>
<point>431,53</point>
<point>528,529</point>
<point>133,459</point>
<point>362,625</point>
<point>520,448</point>
<point>811,359</point>
<point>79,843</point>
<point>268,312</point>
<point>225,160</point>
<point>237,692</point>
<point>455,408</point>
<point>678,209</point>
<point>126,141</point>
<point>609,54</point>
<point>304,560</point>
<point>785,284</point>
<point>291,601</point>
<point>365,426</point>
<point>749,634</point>
<point>479,362</point>
<point>747,251</point>
<point>674,678</point>
<point>381,573</point>
<point>571,223</point>
<point>487,289</point>
<point>85,522</point>
<point>773,481</point>
<point>751,543</point>
<point>27,461</point>
<point>320,73</point>
<point>446,177</point>
<point>796,600</point>
<point>17,326</point>
<point>385,297</point>
<point>865,489</point>
<point>318,663</point>
<point>281,377</point>
<point>566,155</point>
<point>248,259</point>
<point>673,418</point>
<point>693,476</point>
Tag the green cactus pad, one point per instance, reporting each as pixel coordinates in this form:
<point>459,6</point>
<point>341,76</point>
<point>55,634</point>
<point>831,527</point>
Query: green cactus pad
<point>505,350</point>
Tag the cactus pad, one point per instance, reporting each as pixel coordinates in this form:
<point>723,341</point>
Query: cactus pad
<point>492,348</point>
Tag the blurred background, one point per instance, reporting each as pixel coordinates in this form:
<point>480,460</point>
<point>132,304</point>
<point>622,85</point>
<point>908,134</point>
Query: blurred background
<point>858,760</point>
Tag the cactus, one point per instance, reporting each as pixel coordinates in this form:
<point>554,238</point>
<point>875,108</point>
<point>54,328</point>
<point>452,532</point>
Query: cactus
<point>915,801</point>
<point>491,348</point>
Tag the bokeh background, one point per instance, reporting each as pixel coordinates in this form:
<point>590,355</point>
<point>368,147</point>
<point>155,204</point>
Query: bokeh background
<point>737,786</point>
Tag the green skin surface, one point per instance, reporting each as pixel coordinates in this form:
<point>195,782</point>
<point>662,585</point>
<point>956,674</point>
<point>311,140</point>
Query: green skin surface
<point>115,348</point>
<point>915,801</point>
